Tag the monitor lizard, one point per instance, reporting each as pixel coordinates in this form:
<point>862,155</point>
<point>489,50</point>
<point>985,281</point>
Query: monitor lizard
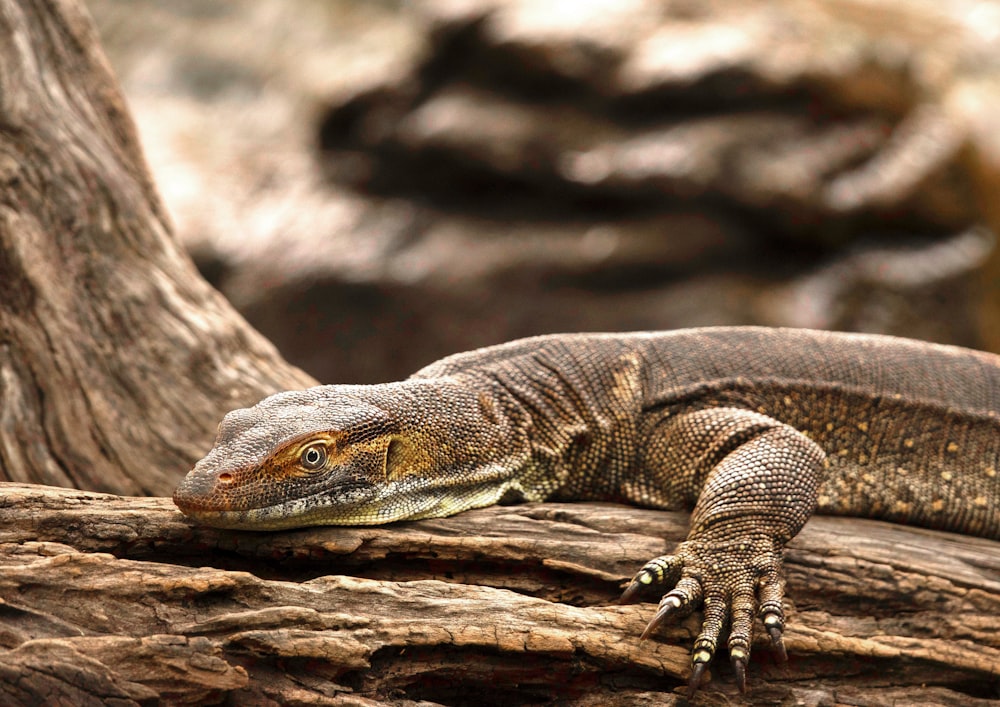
<point>752,428</point>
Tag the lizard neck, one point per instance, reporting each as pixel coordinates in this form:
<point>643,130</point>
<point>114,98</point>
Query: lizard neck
<point>462,445</point>
<point>579,439</point>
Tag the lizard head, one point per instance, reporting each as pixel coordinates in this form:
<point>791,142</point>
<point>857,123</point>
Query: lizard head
<point>338,455</point>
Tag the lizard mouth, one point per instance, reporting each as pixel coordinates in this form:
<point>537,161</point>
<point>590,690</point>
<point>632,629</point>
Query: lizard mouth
<point>220,503</point>
<point>350,504</point>
<point>233,501</point>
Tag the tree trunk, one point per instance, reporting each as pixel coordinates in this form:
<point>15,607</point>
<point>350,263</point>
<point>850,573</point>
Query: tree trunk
<point>108,597</point>
<point>116,359</point>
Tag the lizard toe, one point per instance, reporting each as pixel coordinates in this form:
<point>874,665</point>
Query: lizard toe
<point>658,572</point>
<point>771,594</point>
<point>716,617</point>
<point>740,634</point>
<point>714,621</point>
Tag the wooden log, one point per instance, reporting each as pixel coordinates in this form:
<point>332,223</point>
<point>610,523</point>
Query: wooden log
<point>504,605</point>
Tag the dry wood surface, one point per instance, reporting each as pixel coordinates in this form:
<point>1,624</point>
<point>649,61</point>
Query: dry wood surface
<point>121,600</point>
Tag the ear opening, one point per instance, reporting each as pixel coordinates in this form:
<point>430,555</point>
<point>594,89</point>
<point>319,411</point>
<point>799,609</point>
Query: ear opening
<point>395,458</point>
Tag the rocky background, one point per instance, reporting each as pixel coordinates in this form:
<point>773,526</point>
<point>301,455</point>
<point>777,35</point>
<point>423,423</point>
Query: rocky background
<point>378,184</point>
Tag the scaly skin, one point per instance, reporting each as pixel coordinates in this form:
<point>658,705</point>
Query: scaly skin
<point>752,428</point>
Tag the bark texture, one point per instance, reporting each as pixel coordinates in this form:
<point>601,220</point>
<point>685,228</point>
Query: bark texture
<point>108,598</point>
<point>116,359</point>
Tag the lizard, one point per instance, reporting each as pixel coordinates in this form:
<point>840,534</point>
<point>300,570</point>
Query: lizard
<point>751,428</point>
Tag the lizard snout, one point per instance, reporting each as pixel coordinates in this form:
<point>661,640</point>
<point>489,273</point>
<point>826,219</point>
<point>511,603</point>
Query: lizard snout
<point>200,492</point>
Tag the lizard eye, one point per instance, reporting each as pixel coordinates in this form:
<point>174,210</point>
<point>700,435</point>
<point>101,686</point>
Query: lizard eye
<point>313,457</point>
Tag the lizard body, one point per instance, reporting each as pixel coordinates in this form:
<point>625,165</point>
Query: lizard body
<point>752,428</point>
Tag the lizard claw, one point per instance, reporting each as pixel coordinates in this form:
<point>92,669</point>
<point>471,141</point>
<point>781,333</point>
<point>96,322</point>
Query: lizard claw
<point>677,603</point>
<point>669,608</point>
<point>697,671</point>
<point>738,657</point>
<point>632,592</point>
<point>774,630</point>
<point>773,618</point>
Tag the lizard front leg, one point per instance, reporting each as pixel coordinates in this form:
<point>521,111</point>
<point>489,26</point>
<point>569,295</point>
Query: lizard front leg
<point>755,482</point>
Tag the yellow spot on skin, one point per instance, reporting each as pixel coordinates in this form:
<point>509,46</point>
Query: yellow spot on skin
<point>829,427</point>
<point>901,471</point>
<point>787,400</point>
<point>823,500</point>
<point>952,447</point>
<point>946,475</point>
<point>863,426</point>
<point>762,410</point>
<point>907,442</point>
<point>979,501</point>
<point>862,459</point>
<point>844,452</point>
<point>868,478</point>
<point>991,472</point>
<point>937,505</point>
<point>902,506</point>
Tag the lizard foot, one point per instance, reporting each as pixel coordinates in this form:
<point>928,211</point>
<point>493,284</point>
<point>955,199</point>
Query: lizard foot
<point>732,581</point>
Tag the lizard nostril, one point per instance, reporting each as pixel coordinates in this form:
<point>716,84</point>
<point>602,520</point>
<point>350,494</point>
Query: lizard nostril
<point>225,478</point>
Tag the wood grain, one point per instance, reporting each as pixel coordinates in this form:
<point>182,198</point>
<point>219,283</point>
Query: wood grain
<point>506,605</point>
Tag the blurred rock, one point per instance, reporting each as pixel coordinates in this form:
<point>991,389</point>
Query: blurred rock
<point>913,290</point>
<point>375,187</point>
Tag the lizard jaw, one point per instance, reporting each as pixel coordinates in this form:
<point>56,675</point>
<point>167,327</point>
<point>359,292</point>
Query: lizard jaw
<point>404,500</point>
